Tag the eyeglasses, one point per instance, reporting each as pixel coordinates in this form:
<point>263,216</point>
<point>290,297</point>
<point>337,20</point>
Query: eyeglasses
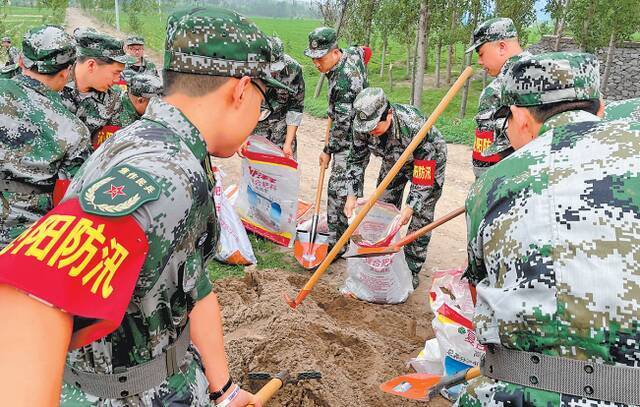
<point>265,107</point>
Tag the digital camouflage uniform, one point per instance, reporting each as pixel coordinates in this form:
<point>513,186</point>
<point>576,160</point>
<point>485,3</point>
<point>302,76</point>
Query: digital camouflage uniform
<point>12,57</point>
<point>95,109</point>
<point>141,85</point>
<point>144,67</point>
<point>424,171</point>
<point>488,129</point>
<point>623,109</point>
<point>552,234</point>
<point>346,80</point>
<point>287,107</point>
<point>40,140</point>
<point>181,225</point>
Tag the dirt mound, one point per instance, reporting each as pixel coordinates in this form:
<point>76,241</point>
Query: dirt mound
<point>355,345</point>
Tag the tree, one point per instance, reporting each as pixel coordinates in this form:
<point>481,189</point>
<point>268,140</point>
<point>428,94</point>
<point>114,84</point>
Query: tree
<point>418,80</point>
<point>522,12</point>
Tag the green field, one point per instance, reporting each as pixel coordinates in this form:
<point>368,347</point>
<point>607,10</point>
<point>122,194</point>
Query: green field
<point>294,35</point>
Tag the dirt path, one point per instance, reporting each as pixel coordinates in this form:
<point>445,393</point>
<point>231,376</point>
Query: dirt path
<point>355,345</point>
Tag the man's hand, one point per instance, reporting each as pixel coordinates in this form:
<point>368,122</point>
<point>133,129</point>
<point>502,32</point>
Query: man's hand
<point>287,149</point>
<point>243,399</point>
<point>405,215</point>
<point>350,205</point>
<point>324,160</point>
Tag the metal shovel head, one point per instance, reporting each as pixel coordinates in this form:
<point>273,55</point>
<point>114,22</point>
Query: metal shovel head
<point>412,386</point>
<point>310,254</point>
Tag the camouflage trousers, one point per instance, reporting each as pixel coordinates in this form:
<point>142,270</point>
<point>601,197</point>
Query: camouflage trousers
<point>337,197</point>
<point>19,211</point>
<point>486,392</point>
<point>276,132</point>
<point>187,388</point>
<point>415,252</point>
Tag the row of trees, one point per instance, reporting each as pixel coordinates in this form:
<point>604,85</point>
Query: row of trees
<point>436,26</point>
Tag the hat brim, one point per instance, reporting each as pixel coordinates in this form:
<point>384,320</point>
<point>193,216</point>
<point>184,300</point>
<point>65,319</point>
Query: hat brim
<point>316,53</point>
<point>270,82</point>
<point>277,66</point>
<point>365,126</point>
<point>500,145</point>
<point>124,59</point>
<point>134,43</point>
<point>501,113</point>
<point>474,46</point>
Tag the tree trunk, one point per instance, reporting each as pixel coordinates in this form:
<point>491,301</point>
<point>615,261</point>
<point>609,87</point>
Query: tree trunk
<point>413,66</point>
<point>467,59</point>
<point>339,25</point>
<point>438,59</point>
<point>451,46</point>
<point>560,25</point>
<point>408,74</point>
<point>587,23</point>
<point>607,66</point>
<point>420,47</point>
<point>384,51</point>
<point>426,41</point>
<point>391,77</point>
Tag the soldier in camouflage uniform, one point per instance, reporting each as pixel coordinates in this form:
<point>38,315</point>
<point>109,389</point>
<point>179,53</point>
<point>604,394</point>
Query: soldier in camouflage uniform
<point>552,234</point>
<point>156,177</point>
<point>91,95</point>
<point>623,109</point>
<point>141,89</point>
<point>347,75</point>
<point>40,140</point>
<point>134,46</point>
<point>496,41</point>
<point>12,58</point>
<point>385,130</point>
<point>282,124</point>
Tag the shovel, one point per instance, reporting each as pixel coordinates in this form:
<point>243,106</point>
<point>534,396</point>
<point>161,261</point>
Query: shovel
<point>311,247</point>
<point>395,247</point>
<point>424,386</point>
<point>277,381</point>
<point>455,88</point>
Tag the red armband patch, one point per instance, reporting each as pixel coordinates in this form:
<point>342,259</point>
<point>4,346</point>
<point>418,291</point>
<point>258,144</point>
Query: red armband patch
<point>103,134</point>
<point>483,140</point>
<point>84,264</point>
<point>59,189</point>
<point>367,54</point>
<point>423,172</point>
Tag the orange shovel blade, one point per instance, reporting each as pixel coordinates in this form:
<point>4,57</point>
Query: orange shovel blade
<point>412,386</point>
<point>310,254</point>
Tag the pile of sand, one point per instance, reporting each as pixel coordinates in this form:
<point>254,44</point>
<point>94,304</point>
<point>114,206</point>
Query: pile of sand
<point>355,345</point>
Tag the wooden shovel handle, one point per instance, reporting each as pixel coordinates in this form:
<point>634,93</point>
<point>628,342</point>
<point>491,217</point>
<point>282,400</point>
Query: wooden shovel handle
<point>322,169</point>
<point>428,228</point>
<point>466,74</point>
<point>268,390</point>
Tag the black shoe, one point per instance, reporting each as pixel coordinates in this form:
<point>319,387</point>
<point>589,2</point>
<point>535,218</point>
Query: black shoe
<point>416,281</point>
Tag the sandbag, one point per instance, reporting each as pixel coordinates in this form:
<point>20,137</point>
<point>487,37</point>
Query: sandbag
<point>384,279</point>
<point>268,191</point>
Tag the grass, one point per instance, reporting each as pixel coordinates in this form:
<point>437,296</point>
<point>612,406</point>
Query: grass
<point>269,256</point>
<point>18,20</point>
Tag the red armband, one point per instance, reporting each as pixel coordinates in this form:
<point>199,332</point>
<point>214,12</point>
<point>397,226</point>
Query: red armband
<point>367,54</point>
<point>59,189</point>
<point>483,140</point>
<point>84,264</point>
<point>423,172</point>
<point>103,134</point>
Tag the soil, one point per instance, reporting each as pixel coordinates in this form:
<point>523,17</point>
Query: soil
<point>355,345</point>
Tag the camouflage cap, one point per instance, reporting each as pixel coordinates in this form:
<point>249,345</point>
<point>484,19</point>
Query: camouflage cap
<point>321,41</point>
<point>219,42</point>
<point>145,85</point>
<point>6,39</point>
<point>495,29</point>
<point>48,49</point>
<point>369,106</point>
<point>92,43</point>
<point>134,40</point>
<point>550,78</point>
<point>277,54</point>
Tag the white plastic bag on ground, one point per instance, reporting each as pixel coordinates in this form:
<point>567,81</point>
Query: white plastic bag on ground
<point>233,246</point>
<point>382,279</point>
<point>268,192</point>
<point>456,345</point>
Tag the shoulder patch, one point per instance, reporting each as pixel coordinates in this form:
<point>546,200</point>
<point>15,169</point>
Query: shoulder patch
<point>120,192</point>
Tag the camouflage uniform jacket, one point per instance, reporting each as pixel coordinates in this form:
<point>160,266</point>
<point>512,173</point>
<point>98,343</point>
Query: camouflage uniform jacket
<point>182,230</point>
<point>346,80</point>
<point>146,67</point>
<point>13,56</point>
<point>95,109</point>
<point>490,101</point>
<point>553,243</point>
<point>623,109</point>
<point>287,107</point>
<point>40,141</point>
<point>127,114</point>
<point>407,122</point>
